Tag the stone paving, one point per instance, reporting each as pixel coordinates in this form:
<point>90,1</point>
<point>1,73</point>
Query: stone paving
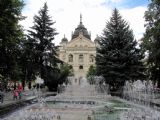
<point>26,95</point>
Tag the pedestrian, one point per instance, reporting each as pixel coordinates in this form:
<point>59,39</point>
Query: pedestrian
<point>20,89</point>
<point>15,94</point>
<point>19,94</point>
<point>1,96</point>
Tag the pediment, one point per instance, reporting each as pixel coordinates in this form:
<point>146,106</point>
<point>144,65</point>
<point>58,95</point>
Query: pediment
<point>80,42</point>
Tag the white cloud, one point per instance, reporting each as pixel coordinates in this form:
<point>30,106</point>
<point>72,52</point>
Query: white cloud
<point>135,18</point>
<point>116,1</point>
<point>95,15</point>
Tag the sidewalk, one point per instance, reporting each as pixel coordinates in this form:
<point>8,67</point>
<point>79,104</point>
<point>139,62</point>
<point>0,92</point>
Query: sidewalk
<point>9,105</point>
<point>26,95</point>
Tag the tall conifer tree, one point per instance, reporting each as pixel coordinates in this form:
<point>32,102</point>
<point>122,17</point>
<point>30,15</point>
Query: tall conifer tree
<point>117,57</point>
<point>41,36</point>
<point>11,35</point>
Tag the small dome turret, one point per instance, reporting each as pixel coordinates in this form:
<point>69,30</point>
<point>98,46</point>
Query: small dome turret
<point>97,39</point>
<point>64,39</point>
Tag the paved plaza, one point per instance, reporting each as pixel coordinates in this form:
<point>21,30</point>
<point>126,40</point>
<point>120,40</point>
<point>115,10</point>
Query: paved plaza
<point>8,97</point>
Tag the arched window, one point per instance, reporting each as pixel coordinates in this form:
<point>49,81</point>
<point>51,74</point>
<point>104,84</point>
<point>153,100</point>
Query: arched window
<point>91,58</point>
<point>81,58</point>
<point>81,67</point>
<point>70,58</point>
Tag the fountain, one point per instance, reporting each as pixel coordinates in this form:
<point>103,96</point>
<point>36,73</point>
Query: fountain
<point>142,95</point>
<point>140,92</point>
<point>86,101</point>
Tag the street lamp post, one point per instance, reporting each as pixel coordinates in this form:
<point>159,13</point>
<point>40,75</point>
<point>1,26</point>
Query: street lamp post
<point>39,81</point>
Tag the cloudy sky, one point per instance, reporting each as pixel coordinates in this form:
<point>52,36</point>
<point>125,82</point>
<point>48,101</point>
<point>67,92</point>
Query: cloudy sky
<point>95,14</point>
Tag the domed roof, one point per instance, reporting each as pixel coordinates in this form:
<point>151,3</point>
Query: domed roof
<point>64,39</point>
<point>81,29</point>
<point>97,39</point>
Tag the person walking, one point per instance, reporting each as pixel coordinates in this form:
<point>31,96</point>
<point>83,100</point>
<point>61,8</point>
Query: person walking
<point>15,94</point>
<point>20,89</point>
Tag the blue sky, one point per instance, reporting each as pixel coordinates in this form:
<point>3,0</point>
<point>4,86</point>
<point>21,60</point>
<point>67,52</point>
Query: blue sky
<point>95,14</point>
<point>134,3</point>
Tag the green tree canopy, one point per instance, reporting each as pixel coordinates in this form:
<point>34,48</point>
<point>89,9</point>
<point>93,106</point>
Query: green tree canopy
<point>151,40</point>
<point>91,74</point>
<point>118,59</point>
<point>41,36</point>
<point>40,49</point>
<point>11,34</point>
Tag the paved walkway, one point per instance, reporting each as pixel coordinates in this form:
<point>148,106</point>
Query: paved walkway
<point>27,94</point>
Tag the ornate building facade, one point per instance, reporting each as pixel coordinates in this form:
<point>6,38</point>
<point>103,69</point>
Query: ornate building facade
<point>79,52</point>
